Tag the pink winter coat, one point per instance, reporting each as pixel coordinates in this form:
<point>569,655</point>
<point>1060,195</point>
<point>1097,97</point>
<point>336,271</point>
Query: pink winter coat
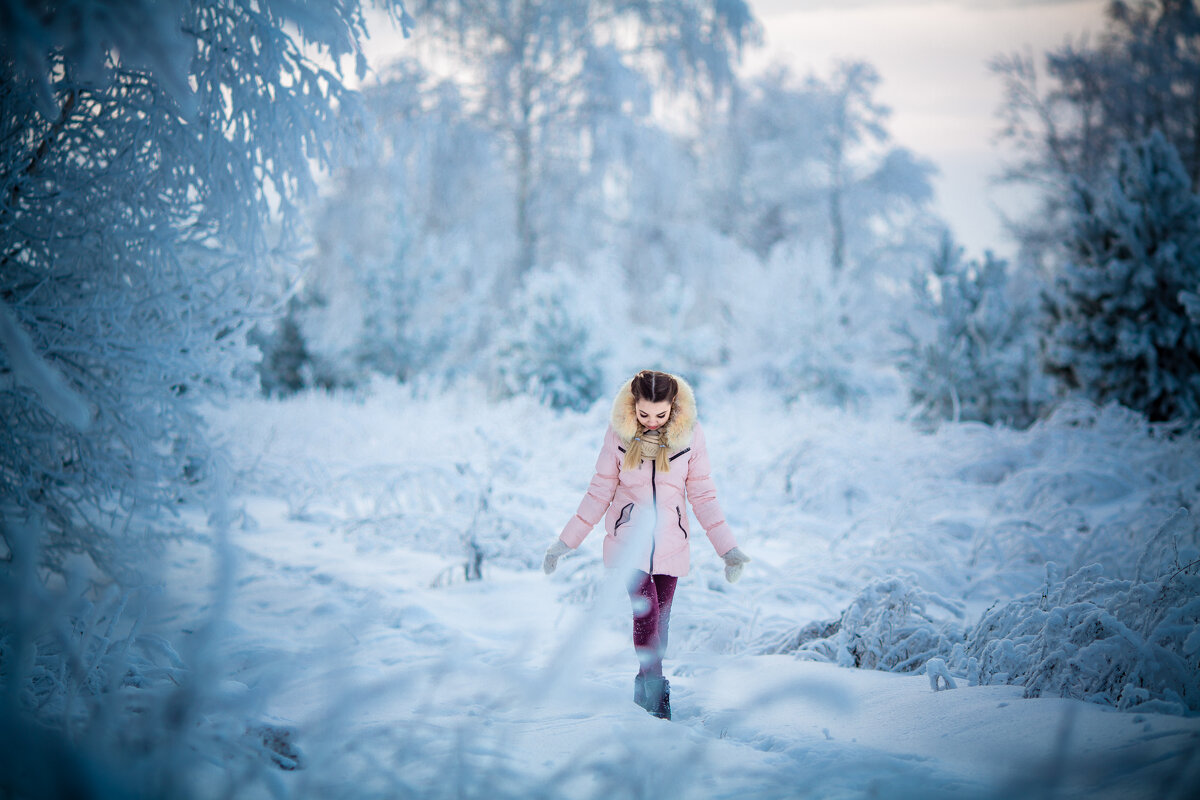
<point>645,518</point>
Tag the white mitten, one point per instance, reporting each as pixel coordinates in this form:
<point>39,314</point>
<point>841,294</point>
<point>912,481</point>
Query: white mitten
<point>734,561</point>
<point>552,555</point>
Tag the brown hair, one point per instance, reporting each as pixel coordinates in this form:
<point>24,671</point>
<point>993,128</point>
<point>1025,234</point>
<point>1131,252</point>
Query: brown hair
<point>653,387</point>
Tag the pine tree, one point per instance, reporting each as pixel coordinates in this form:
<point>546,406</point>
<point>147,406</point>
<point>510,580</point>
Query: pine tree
<point>1068,118</point>
<point>976,360</point>
<point>1118,327</point>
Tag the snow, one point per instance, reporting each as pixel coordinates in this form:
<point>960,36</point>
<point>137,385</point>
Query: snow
<point>352,631</point>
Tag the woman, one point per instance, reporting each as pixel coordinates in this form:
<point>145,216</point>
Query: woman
<point>653,456</point>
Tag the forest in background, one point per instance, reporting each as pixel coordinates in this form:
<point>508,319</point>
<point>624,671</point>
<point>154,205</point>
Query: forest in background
<point>581,213</point>
<point>194,208</point>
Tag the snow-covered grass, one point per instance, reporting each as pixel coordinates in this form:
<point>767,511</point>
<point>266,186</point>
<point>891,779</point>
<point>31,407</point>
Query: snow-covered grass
<point>876,544</point>
<point>346,654</point>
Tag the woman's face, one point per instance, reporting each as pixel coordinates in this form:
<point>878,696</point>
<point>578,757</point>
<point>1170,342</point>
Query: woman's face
<point>652,415</point>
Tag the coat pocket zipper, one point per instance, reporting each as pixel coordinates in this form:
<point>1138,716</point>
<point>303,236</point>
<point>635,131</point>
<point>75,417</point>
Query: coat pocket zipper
<point>679,516</point>
<point>626,513</point>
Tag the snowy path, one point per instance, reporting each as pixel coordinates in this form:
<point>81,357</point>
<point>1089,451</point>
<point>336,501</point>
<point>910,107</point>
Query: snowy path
<point>500,683</point>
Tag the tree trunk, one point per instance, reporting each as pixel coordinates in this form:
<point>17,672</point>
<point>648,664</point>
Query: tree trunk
<point>526,236</point>
<point>836,221</point>
<point>526,228</point>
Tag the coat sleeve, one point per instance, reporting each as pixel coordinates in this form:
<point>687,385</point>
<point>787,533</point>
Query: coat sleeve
<point>599,495</point>
<point>702,494</point>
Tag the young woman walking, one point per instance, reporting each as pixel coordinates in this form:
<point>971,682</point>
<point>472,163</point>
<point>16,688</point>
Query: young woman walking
<point>653,457</point>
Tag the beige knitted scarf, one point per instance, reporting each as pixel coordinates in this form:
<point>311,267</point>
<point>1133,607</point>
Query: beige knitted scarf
<point>652,442</point>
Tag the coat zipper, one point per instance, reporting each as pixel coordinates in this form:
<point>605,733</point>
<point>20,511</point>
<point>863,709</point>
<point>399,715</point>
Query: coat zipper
<point>654,501</point>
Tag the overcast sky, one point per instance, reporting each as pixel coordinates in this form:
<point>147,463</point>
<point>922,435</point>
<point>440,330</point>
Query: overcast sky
<point>932,60</point>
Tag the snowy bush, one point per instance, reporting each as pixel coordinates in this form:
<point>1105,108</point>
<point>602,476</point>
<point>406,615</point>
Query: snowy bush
<point>547,350</point>
<point>1121,642</point>
<point>98,704</point>
<point>974,353</point>
<point>803,330</point>
<point>285,367</point>
<point>392,467</point>
<point>453,510</point>
<point>684,331</point>
<point>1117,327</point>
<point>891,625</point>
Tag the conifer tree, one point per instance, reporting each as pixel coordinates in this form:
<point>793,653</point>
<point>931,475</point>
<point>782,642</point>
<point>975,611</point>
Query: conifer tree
<point>1118,327</point>
<point>976,358</point>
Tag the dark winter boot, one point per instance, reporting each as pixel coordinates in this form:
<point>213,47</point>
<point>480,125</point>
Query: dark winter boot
<point>658,697</point>
<point>639,690</point>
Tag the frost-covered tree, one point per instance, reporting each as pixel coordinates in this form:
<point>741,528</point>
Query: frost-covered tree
<point>150,156</point>
<point>803,173</point>
<point>855,119</point>
<point>1117,326</point>
<point>764,159</point>
<point>811,160</point>
<point>550,73</point>
<point>1068,120</point>
<point>415,228</point>
<point>972,353</point>
<point>547,350</point>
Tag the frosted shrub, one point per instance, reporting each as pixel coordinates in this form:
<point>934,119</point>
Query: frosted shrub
<point>975,358</point>
<point>820,324</point>
<point>890,626</point>
<point>95,704</point>
<point>285,357</point>
<point>451,510</point>
<point>547,351</point>
<point>1122,642</point>
<point>1118,328</point>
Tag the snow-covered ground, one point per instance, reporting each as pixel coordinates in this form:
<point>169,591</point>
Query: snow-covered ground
<point>384,673</point>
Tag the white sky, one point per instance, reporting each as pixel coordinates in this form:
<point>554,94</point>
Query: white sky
<point>932,57</point>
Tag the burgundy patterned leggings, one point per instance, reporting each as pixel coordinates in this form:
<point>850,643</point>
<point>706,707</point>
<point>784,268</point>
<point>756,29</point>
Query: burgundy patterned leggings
<point>651,597</point>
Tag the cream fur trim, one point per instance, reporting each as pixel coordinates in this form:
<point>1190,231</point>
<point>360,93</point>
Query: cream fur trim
<point>678,428</point>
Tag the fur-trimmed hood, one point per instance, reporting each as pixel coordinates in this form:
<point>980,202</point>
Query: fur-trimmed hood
<point>679,427</point>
